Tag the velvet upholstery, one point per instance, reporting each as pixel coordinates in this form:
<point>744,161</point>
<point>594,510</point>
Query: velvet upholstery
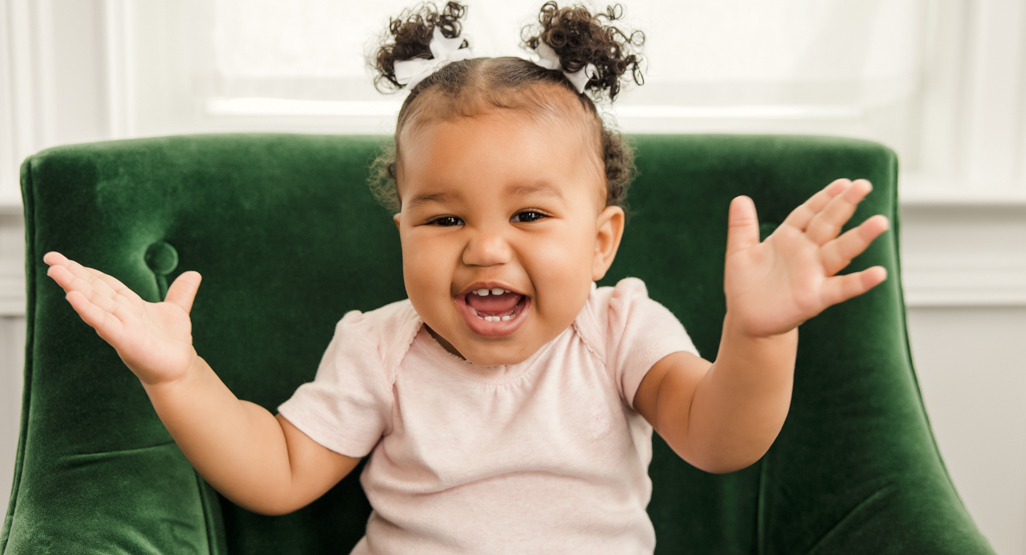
<point>288,239</point>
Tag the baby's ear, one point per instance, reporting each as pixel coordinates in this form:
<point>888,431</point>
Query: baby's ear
<point>610,230</point>
<point>395,219</point>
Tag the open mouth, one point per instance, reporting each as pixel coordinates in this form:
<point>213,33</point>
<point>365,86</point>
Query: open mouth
<point>493,312</point>
<point>495,305</point>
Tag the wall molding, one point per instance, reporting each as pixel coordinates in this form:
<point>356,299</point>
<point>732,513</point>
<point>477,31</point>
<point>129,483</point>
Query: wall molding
<point>28,91</point>
<point>941,281</point>
<point>121,106</point>
<point>964,254</point>
<point>12,293</point>
<point>12,265</point>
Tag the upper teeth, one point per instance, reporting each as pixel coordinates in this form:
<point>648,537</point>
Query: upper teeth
<point>486,292</point>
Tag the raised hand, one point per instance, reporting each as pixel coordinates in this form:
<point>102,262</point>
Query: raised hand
<point>153,339</point>
<point>773,286</point>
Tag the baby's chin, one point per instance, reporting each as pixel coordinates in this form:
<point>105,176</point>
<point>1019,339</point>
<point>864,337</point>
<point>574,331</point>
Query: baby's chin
<point>489,352</point>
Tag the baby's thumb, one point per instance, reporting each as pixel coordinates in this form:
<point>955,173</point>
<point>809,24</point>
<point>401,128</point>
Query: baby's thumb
<point>742,225</point>
<point>183,291</point>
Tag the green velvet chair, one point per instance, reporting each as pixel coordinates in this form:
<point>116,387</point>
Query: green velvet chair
<point>288,239</point>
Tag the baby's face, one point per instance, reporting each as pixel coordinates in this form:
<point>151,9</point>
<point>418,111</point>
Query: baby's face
<point>503,228</point>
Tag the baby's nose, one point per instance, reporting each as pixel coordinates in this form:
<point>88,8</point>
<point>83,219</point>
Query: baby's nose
<point>487,249</point>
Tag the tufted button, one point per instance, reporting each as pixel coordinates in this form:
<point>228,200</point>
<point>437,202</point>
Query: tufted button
<point>162,258</point>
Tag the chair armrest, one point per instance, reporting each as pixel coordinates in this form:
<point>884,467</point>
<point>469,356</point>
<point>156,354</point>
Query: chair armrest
<point>909,518</point>
<point>146,500</point>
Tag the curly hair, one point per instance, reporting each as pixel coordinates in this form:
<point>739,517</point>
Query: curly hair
<point>411,38</point>
<point>580,38</point>
<point>468,87</point>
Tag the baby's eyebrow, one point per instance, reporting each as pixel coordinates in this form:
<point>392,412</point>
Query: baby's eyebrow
<point>440,197</point>
<point>539,188</point>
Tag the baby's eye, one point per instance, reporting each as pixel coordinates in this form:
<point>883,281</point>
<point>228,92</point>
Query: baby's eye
<point>446,221</point>
<point>527,216</point>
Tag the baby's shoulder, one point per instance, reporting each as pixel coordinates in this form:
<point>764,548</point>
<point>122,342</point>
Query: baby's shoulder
<point>387,331</point>
<point>627,329</point>
<point>386,319</point>
<point>608,310</point>
<point>611,301</point>
<point>628,289</point>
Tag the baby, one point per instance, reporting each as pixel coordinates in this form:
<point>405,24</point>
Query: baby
<point>508,404</point>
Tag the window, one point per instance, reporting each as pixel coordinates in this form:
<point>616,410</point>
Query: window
<point>939,82</point>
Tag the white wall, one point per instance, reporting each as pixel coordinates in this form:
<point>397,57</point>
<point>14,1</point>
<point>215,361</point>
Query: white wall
<point>12,341</point>
<point>963,276</point>
<point>69,73</point>
<point>973,385</point>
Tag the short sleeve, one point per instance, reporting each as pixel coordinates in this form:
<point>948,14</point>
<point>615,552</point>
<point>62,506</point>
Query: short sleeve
<point>348,406</point>
<point>639,332</point>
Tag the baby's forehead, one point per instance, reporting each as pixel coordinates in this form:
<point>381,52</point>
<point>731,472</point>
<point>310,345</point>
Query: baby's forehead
<point>544,135</point>
<point>528,152</point>
<point>559,116</point>
<point>534,141</point>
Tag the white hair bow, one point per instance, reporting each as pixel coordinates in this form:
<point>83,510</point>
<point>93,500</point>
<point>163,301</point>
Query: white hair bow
<point>550,60</point>
<point>443,50</point>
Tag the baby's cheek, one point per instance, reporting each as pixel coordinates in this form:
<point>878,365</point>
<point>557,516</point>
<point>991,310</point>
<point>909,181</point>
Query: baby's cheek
<point>557,258</point>
<point>562,273</point>
<point>423,272</point>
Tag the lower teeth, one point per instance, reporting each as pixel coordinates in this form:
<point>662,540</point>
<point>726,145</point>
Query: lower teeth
<point>504,318</point>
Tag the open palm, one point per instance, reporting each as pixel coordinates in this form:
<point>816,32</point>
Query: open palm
<point>774,285</point>
<point>153,339</point>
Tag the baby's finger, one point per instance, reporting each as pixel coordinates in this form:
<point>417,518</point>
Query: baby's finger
<point>801,216</point>
<point>836,254</point>
<point>106,325</point>
<point>54,257</point>
<point>87,275</point>
<point>117,288</point>
<point>838,289</point>
<point>183,290</point>
<point>69,281</point>
<point>73,283</point>
<point>827,224</point>
<point>742,225</point>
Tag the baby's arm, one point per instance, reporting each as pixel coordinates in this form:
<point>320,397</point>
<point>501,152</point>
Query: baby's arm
<point>259,461</point>
<point>723,416</point>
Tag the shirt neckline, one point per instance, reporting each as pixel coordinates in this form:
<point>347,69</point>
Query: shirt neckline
<point>497,374</point>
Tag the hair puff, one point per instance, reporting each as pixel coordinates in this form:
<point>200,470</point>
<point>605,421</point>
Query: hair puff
<point>409,36</point>
<point>581,38</point>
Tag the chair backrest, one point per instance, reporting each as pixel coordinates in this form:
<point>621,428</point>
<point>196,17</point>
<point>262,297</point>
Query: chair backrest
<point>288,239</point>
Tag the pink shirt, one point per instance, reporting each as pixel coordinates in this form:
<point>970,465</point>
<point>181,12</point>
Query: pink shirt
<point>544,456</point>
